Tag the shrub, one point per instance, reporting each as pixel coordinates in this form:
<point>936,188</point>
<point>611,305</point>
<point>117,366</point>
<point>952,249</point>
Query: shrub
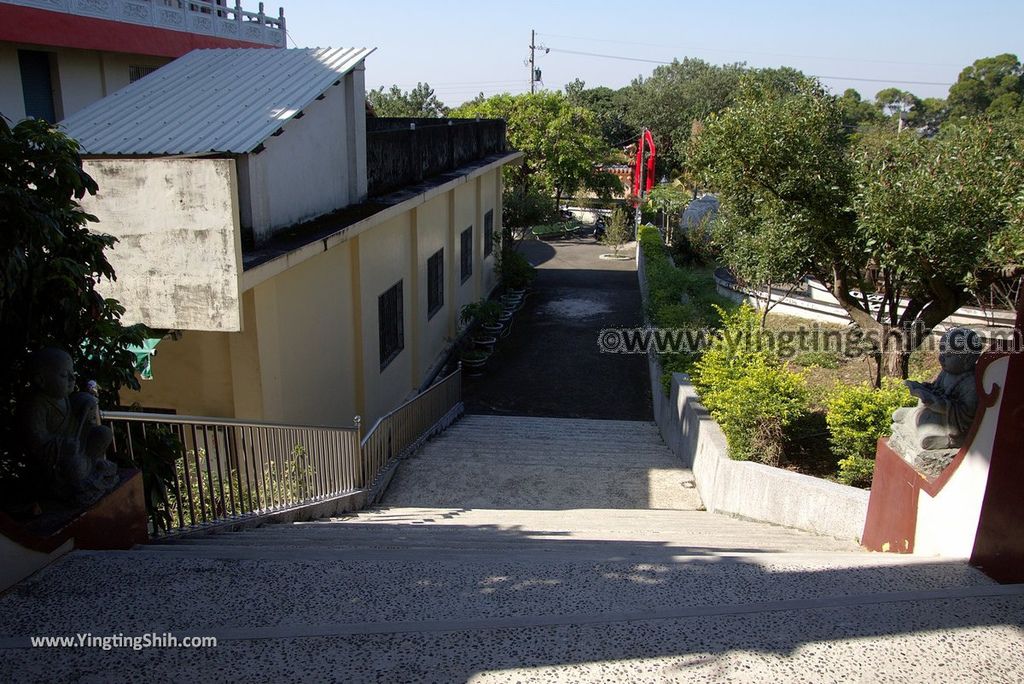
<point>857,416</point>
<point>747,390</point>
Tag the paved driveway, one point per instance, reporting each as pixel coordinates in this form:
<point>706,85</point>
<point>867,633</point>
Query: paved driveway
<point>551,365</point>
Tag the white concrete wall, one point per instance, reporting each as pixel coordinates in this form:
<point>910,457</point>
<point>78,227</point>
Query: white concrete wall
<point>948,523</point>
<point>178,257</point>
<point>432,235</point>
<point>307,171</point>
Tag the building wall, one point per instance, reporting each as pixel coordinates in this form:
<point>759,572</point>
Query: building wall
<point>432,221</point>
<point>308,349</point>
<point>305,344</point>
<point>312,168</point>
<point>191,375</point>
<point>81,77</point>
<point>178,256</point>
<point>384,258</point>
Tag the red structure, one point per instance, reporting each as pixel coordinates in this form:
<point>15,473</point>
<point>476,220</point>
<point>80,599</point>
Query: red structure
<point>643,170</point>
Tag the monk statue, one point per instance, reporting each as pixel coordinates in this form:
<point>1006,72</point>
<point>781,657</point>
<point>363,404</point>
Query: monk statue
<point>66,443</point>
<point>929,435</point>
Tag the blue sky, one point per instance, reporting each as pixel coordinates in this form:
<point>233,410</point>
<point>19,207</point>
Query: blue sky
<point>463,48</point>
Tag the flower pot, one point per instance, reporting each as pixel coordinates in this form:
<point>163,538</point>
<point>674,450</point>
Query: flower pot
<point>492,329</point>
<point>485,342</point>
<point>474,361</point>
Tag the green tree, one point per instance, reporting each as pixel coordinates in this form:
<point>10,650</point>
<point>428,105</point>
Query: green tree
<point>857,113</point>
<point>608,107</point>
<point>420,102</point>
<point>51,266</point>
<point>672,98</point>
<point>903,217</point>
<point>562,143</point>
<point>992,86</point>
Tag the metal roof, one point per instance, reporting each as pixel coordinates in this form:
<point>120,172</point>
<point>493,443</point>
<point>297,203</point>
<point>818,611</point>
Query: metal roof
<point>221,101</point>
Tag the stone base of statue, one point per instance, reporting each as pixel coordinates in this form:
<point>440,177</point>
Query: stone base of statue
<point>928,447</point>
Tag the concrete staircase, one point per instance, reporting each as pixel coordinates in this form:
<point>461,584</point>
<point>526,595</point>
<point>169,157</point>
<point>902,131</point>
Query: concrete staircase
<point>523,549</point>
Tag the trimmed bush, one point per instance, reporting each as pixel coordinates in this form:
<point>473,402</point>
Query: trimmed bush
<point>857,416</point>
<point>747,390</point>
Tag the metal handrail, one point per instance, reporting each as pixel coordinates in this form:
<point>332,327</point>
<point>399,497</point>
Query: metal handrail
<point>204,471</point>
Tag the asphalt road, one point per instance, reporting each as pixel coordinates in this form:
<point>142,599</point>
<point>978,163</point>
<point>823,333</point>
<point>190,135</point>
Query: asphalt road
<point>551,365</point>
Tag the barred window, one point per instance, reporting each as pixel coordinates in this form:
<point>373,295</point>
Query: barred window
<point>488,233</point>
<point>435,283</point>
<point>137,72</point>
<point>466,256</point>
<point>389,320</point>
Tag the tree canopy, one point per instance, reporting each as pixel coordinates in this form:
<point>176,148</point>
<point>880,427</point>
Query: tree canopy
<point>993,86</point>
<point>562,142</point>
<point>901,216</point>
<point>420,102</point>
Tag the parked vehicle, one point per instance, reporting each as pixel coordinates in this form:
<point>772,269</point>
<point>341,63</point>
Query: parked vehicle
<point>599,228</point>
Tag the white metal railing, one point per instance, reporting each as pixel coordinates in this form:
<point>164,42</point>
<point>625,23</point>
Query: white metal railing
<point>194,16</point>
<point>199,471</point>
<point>403,430</point>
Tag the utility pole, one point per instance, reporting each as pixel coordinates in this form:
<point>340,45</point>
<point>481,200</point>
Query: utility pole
<point>533,48</point>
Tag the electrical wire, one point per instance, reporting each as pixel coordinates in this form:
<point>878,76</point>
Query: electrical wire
<point>836,78</point>
<point>749,52</point>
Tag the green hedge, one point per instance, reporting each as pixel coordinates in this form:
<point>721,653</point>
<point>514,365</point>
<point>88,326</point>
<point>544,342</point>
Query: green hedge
<point>857,416</point>
<point>678,299</point>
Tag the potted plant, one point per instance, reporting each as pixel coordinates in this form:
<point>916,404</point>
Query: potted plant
<point>516,273</point>
<point>473,360</point>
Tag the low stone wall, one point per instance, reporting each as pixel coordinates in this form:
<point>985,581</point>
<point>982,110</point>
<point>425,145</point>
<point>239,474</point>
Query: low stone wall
<point>742,488</point>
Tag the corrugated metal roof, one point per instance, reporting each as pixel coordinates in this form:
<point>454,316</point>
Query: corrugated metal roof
<point>224,100</point>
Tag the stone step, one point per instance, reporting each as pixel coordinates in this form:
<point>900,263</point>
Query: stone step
<point>570,459</point>
<point>189,589</point>
<point>469,484</point>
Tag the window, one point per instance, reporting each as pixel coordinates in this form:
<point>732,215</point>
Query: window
<point>466,255</point>
<point>37,84</point>
<point>137,72</point>
<point>389,318</point>
<point>488,233</point>
<point>435,283</point>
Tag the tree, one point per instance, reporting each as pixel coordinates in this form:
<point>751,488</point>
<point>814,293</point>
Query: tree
<point>617,233</point>
<point>561,142</point>
<point>672,98</point>
<point>903,217</point>
<point>420,102</point>
<point>608,107</point>
<point>51,266</point>
<point>992,86</point>
<point>858,114</point>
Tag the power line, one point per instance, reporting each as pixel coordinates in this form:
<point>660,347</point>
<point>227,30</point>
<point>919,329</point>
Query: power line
<point>836,78</point>
<point>749,52</point>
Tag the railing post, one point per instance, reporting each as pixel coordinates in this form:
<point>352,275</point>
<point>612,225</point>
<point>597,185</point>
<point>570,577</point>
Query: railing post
<point>358,422</point>
<point>238,11</point>
<point>280,19</point>
<point>262,16</point>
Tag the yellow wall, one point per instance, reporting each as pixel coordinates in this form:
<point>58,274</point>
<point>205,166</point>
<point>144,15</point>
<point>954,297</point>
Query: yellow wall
<point>384,257</point>
<point>191,375</point>
<point>303,321</point>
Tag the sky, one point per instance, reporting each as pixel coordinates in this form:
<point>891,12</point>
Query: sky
<point>463,48</point>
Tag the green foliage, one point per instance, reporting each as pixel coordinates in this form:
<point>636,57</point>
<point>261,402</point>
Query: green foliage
<point>608,107</point>
<point>858,415</point>
<point>678,299</point>
<point>562,143</point>
<point>676,95</point>
<point>516,271</point>
<point>856,471</point>
<point>420,102</point>
<point>993,86</point>
<point>553,230</point>
<point>484,312</point>
<point>617,232</point>
<point>525,205</point>
<point>751,395</point>
<point>818,359</point>
<point>50,267</point>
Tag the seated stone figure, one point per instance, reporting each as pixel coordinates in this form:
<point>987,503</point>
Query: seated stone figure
<point>66,443</point>
<point>929,435</point>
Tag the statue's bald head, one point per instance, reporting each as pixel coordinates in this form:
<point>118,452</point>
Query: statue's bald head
<point>53,372</point>
<point>959,350</point>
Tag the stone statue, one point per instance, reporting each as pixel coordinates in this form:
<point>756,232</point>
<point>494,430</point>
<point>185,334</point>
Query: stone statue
<point>65,440</point>
<point>929,435</point>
